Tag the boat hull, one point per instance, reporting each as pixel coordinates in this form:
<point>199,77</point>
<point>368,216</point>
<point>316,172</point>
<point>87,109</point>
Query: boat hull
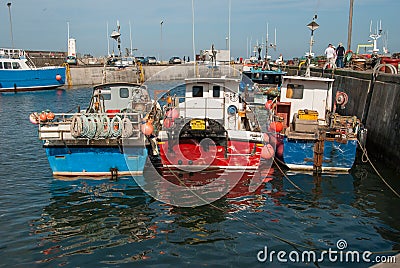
<point>191,155</point>
<point>96,161</point>
<point>31,80</point>
<point>337,156</point>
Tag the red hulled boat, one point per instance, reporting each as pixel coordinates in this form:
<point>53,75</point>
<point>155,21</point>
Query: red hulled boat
<point>211,127</point>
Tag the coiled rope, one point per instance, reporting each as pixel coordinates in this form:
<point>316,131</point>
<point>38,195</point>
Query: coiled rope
<point>91,127</point>
<point>127,128</point>
<point>76,126</point>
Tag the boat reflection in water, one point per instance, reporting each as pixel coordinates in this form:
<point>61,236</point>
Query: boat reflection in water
<point>86,216</point>
<point>117,222</point>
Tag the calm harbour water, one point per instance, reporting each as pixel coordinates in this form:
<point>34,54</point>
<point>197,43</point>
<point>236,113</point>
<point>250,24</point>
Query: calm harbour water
<point>48,222</point>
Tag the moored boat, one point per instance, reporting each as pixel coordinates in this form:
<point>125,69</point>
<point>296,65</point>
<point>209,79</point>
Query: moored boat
<point>259,85</point>
<point>18,73</point>
<point>315,137</point>
<point>108,138</point>
<point>211,127</point>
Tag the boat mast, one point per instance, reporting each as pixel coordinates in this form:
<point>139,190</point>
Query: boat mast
<point>130,36</point>
<point>11,32</point>
<point>266,64</point>
<point>108,42</point>
<point>193,43</point>
<point>229,36</point>
<point>350,28</point>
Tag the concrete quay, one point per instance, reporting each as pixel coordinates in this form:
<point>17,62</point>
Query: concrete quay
<point>376,100</point>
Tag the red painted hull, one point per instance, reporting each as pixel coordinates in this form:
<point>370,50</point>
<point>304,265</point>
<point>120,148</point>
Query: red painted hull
<point>190,153</point>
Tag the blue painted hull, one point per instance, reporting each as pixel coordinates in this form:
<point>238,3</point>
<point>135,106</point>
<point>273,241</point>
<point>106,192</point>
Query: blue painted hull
<point>96,161</point>
<point>299,154</point>
<point>29,80</point>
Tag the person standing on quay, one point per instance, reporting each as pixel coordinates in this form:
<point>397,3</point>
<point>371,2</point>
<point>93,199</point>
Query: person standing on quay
<point>340,56</point>
<point>330,54</point>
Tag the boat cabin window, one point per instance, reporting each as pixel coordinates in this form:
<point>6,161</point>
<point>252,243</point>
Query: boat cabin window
<point>124,92</point>
<point>197,91</point>
<point>256,76</point>
<point>107,96</point>
<point>15,65</point>
<point>216,91</point>
<point>7,65</point>
<point>294,91</point>
<point>1,65</point>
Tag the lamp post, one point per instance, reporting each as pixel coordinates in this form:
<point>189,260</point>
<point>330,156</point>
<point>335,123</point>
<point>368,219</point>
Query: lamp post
<point>9,13</point>
<point>312,26</point>
<point>161,24</point>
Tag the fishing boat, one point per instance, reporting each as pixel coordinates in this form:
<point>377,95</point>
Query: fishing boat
<point>19,73</point>
<point>211,127</point>
<point>108,138</point>
<point>259,85</point>
<point>312,135</point>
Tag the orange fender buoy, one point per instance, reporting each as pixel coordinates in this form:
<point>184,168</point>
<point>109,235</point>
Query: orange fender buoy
<point>43,117</point>
<point>173,113</point>
<point>276,127</point>
<point>266,137</point>
<point>269,105</point>
<point>279,150</point>
<point>267,151</point>
<point>147,128</point>
<point>50,116</point>
<point>169,99</point>
<point>168,122</point>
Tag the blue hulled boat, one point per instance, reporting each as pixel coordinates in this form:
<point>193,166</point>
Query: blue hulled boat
<point>109,138</point>
<point>314,136</point>
<point>18,73</point>
<point>258,85</point>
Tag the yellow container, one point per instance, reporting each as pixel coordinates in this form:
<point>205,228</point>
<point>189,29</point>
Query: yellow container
<point>308,114</point>
<point>242,113</point>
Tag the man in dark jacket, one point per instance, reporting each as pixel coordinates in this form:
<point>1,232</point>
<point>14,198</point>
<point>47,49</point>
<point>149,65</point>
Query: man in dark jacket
<point>340,56</point>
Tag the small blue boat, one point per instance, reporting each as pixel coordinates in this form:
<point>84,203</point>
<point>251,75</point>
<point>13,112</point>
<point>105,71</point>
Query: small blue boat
<point>314,136</point>
<point>106,139</point>
<point>18,73</point>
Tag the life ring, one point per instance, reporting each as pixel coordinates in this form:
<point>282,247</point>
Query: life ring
<point>341,98</point>
<point>76,126</point>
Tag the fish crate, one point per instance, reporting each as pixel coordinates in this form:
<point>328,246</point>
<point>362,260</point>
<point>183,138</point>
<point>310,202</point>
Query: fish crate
<point>307,114</point>
<point>306,126</point>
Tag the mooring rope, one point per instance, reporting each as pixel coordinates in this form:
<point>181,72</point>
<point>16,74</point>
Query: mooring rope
<point>365,159</point>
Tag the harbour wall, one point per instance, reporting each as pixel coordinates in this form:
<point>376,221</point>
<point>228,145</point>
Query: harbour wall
<point>382,94</point>
<point>378,102</point>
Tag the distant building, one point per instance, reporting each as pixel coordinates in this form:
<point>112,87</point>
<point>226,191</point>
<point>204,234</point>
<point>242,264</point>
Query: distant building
<point>71,47</point>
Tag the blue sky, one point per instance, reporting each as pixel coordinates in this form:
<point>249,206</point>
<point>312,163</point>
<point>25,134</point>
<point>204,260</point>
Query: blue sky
<point>42,24</point>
